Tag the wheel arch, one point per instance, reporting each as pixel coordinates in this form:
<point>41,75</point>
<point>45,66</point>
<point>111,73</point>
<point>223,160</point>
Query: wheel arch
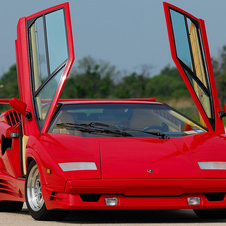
<point>33,156</point>
<point>29,160</point>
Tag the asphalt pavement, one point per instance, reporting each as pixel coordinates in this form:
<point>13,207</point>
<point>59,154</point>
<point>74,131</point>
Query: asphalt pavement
<point>112,217</point>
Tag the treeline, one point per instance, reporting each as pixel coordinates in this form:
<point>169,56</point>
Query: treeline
<point>98,79</point>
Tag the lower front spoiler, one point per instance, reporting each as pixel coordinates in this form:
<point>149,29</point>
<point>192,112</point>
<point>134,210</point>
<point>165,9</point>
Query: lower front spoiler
<point>74,201</point>
<point>137,194</point>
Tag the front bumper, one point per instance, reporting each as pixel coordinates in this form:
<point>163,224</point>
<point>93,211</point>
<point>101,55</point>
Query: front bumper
<point>136,194</point>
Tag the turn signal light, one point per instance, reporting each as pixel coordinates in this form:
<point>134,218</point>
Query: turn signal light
<point>193,200</point>
<point>48,171</point>
<point>111,201</point>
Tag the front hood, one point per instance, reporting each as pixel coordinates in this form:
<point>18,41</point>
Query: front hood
<point>68,149</point>
<point>207,147</point>
<point>121,157</point>
<point>144,158</point>
<point>140,158</point>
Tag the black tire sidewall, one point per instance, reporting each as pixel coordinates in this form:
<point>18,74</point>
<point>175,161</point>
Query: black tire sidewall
<point>38,215</point>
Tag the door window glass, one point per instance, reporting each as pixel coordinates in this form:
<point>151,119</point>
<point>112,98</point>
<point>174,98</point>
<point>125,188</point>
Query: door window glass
<point>180,37</point>
<point>40,70</point>
<point>189,51</point>
<point>49,55</point>
<point>45,96</point>
<point>57,39</point>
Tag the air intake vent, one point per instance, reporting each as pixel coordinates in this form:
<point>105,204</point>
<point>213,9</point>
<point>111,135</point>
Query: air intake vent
<point>13,117</point>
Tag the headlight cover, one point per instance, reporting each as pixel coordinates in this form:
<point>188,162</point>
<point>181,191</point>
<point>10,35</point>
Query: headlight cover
<point>212,165</point>
<point>72,166</point>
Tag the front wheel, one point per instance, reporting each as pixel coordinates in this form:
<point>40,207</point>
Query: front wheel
<point>34,199</point>
<point>211,213</point>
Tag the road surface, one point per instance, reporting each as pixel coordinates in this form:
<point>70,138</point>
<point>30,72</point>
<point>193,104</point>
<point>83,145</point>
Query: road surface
<point>122,217</point>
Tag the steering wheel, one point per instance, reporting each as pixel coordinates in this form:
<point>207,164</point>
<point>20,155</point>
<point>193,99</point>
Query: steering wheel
<point>154,127</point>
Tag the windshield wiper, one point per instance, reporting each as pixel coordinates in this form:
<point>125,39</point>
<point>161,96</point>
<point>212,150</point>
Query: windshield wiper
<point>97,127</point>
<point>160,135</point>
<point>94,127</point>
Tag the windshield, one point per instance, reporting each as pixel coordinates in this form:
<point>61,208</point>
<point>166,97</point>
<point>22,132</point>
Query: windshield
<point>122,119</point>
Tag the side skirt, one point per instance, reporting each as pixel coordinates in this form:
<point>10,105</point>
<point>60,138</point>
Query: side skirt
<point>12,189</point>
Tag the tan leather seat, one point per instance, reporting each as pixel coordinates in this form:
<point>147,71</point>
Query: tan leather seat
<point>66,118</point>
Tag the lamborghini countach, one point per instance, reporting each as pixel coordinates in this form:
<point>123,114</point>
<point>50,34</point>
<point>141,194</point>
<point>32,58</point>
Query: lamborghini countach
<point>59,155</point>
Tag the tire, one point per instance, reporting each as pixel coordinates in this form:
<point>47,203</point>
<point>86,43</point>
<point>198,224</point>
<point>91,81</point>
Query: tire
<point>34,199</point>
<point>211,213</point>
<point>11,206</point>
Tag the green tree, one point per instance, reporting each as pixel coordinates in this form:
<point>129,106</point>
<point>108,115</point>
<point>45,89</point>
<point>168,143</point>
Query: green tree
<point>9,84</point>
<point>132,86</point>
<point>92,79</point>
<point>168,84</point>
<point>219,68</point>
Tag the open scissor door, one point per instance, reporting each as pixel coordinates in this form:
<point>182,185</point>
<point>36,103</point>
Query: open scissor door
<point>190,52</point>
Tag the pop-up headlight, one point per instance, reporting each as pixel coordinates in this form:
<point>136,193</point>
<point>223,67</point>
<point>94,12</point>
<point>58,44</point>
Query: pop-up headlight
<point>212,165</point>
<point>71,166</point>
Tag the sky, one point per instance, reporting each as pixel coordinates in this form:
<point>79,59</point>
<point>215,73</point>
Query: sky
<point>125,33</point>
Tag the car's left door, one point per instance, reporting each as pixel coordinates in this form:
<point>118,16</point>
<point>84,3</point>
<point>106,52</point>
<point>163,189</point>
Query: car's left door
<point>45,53</point>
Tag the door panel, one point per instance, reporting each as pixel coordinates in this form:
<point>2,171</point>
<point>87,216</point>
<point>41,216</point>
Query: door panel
<point>45,53</point>
<point>190,52</point>
<point>50,54</point>
<point>48,45</point>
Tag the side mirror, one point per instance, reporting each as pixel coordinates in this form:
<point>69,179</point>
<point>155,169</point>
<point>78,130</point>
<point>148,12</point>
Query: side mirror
<point>222,114</point>
<point>224,108</point>
<point>20,107</point>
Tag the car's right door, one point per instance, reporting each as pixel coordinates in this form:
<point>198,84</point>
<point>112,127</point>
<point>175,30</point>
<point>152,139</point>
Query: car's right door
<point>190,52</point>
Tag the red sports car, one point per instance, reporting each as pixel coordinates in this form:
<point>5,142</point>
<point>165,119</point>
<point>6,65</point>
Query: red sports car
<point>59,155</point>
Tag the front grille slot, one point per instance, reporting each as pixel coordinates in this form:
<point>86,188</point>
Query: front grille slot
<point>215,196</point>
<point>90,197</point>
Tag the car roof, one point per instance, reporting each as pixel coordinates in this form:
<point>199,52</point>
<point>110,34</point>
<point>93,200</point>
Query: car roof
<point>101,101</point>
